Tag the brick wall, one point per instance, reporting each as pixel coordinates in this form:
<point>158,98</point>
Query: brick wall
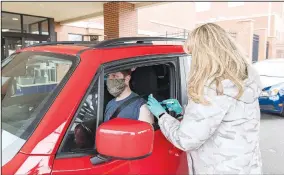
<point>120,20</point>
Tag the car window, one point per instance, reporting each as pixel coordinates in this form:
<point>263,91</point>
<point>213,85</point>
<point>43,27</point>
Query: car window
<point>81,133</point>
<point>270,68</point>
<point>271,72</point>
<point>29,79</point>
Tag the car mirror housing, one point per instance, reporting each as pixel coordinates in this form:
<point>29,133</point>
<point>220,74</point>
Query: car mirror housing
<point>125,139</point>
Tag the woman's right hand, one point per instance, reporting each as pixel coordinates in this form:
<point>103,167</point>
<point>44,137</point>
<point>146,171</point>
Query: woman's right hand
<point>173,105</point>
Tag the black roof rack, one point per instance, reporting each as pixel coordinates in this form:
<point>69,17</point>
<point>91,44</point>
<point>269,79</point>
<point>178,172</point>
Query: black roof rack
<point>85,43</point>
<point>125,41</point>
<point>133,41</point>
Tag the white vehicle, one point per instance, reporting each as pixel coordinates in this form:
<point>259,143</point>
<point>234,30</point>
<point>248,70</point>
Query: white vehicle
<point>272,77</point>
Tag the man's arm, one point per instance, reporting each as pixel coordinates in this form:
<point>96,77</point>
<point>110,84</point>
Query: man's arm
<point>145,115</point>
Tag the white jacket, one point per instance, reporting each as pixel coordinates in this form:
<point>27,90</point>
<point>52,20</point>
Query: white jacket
<point>222,138</point>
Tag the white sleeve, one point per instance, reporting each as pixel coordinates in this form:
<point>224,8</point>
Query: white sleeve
<point>198,124</point>
<point>145,115</point>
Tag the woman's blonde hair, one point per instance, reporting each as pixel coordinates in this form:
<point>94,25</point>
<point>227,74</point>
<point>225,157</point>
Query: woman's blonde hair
<point>215,57</point>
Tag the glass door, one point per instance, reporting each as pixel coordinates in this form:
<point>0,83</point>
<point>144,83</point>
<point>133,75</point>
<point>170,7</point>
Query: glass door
<point>9,45</point>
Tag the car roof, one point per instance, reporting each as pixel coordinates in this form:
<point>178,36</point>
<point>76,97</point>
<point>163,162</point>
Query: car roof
<point>60,49</point>
<point>77,47</point>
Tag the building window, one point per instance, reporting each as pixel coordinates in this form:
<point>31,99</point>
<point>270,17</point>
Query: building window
<point>44,27</point>
<point>202,6</point>
<point>75,37</point>
<point>94,37</point>
<point>11,22</point>
<point>235,4</point>
<point>33,29</point>
<point>32,24</point>
<point>31,42</point>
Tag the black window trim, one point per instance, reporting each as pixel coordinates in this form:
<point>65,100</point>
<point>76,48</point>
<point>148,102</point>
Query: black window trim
<point>52,97</point>
<point>115,66</point>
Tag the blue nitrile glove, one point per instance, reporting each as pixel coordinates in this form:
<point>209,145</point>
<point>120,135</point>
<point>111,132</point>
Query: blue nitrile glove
<point>173,105</point>
<point>155,107</point>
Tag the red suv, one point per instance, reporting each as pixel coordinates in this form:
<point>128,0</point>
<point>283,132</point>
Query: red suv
<point>53,101</point>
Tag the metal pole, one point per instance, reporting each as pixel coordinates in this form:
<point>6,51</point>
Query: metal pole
<point>166,36</point>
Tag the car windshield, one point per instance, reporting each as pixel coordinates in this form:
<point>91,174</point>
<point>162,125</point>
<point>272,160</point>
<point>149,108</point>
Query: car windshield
<point>29,79</point>
<point>271,72</point>
<point>270,68</point>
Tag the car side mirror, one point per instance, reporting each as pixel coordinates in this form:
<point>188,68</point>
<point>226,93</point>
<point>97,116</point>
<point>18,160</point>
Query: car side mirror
<point>125,139</point>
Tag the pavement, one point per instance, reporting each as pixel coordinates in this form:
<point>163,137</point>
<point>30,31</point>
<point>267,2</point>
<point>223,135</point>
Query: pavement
<point>272,143</point>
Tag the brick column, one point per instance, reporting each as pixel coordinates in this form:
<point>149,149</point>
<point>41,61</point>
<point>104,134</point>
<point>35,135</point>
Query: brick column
<point>120,20</point>
<point>262,43</point>
<point>245,36</point>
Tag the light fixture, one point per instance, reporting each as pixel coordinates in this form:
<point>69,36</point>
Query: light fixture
<point>5,30</point>
<point>15,19</point>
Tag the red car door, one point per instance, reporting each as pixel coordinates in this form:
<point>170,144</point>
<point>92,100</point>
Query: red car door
<point>165,159</point>
<point>73,160</point>
<point>83,165</point>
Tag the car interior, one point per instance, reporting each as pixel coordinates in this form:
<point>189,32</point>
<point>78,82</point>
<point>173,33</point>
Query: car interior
<point>144,81</point>
<point>147,80</point>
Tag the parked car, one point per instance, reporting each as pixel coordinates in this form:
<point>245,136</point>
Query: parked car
<point>272,77</point>
<point>52,89</point>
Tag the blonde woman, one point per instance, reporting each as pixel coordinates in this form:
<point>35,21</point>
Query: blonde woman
<point>220,126</point>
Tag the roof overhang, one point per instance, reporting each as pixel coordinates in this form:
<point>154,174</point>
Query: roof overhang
<point>63,12</point>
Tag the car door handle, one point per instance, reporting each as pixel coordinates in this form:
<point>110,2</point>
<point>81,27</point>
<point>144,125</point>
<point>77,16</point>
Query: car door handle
<point>175,151</point>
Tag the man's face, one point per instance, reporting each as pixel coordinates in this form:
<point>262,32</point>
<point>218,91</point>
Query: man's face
<point>119,75</point>
<point>117,82</point>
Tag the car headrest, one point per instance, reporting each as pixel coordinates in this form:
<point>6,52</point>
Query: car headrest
<point>144,81</point>
<point>161,72</point>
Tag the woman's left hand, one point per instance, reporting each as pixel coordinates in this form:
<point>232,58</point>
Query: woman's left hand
<point>173,105</point>
<point>155,107</point>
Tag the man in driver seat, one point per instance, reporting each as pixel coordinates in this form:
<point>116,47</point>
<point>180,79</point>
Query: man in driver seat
<point>118,86</point>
